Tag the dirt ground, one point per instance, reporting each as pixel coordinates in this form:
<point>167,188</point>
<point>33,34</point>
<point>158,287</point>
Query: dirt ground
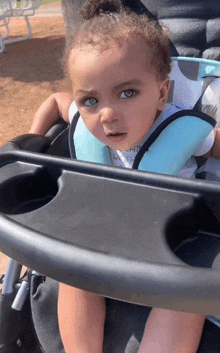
<point>29,72</point>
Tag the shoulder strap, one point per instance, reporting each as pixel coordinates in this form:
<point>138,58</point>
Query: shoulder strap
<point>71,134</point>
<point>84,146</point>
<point>166,150</point>
<point>173,142</point>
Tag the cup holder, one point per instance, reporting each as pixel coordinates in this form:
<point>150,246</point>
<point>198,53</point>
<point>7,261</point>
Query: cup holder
<point>194,235</point>
<point>28,192</point>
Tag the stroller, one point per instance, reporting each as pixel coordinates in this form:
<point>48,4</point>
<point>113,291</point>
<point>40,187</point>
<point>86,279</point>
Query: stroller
<point>36,233</point>
<point>178,270</point>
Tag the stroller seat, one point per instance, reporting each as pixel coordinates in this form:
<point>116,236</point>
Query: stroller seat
<point>102,242</point>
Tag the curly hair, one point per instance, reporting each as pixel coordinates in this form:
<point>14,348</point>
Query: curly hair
<point>107,21</point>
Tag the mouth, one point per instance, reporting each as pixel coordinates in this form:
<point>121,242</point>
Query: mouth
<point>116,134</point>
<point>115,139</point>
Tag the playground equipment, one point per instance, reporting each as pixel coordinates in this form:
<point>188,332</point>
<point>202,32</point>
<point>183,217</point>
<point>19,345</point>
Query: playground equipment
<point>15,8</point>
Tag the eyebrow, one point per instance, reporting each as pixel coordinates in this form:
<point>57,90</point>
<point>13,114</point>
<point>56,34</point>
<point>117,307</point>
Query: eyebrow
<point>118,87</point>
<point>128,83</point>
<point>92,92</point>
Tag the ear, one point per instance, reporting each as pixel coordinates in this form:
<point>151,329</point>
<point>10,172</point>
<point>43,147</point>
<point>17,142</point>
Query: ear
<point>164,90</point>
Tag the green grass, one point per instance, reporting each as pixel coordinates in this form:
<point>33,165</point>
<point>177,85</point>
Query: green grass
<point>44,2</point>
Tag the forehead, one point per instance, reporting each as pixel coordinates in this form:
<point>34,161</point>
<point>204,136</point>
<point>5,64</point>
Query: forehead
<point>105,61</point>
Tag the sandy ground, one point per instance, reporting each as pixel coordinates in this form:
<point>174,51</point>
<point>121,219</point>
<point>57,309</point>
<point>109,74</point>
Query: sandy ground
<point>29,72</point>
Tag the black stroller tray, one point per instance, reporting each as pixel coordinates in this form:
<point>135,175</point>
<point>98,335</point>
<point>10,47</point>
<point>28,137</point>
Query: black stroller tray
<point>109,230</point>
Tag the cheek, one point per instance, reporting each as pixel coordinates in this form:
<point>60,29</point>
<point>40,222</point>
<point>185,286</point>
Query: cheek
<point>148,102</point>
<point>147,114</point>
<point>91,123</point>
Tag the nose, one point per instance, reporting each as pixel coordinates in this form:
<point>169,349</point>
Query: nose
<point>108,115</point>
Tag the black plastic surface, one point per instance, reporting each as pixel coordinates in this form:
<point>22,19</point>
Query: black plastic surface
<point>112,231</point>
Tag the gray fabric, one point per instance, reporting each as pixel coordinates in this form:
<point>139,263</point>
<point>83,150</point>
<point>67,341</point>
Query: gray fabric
<point>194,25</point>
<point>71,15</point>
<point>124,326</point>
<point>124,323</point>
<point>44,310</point>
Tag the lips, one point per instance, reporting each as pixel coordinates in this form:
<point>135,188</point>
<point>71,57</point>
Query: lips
<point>116,139</point>
<point>116,134</point>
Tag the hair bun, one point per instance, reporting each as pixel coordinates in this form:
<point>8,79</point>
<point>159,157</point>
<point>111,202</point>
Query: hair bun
<point>94,8</point>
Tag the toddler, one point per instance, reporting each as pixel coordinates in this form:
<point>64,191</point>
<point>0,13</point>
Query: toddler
<point>118,63</point>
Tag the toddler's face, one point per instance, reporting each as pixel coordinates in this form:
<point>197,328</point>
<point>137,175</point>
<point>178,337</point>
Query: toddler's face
<point>117,92</point>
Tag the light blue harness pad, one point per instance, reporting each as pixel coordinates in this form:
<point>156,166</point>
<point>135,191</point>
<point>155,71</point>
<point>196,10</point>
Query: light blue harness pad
<point>175,139</point>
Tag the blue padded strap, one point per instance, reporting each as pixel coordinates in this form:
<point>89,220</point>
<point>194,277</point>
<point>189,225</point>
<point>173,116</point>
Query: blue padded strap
<point>170,150</point>
<point>87,147</point>
<point>175,145</point>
